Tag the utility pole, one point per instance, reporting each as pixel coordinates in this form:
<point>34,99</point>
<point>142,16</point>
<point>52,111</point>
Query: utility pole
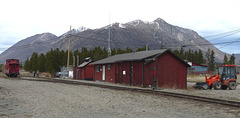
<point>77,60</point>
<point>69,49</point>
<point>73,61</point>
<point>147,47</point>
<point>109,35</point>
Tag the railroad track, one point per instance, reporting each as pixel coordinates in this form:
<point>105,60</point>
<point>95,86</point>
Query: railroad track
<point>178,95</point>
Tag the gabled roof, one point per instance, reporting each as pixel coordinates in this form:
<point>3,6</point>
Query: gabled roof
<point>86,62</point>
<point>196,64</point>
<point>135,56</point>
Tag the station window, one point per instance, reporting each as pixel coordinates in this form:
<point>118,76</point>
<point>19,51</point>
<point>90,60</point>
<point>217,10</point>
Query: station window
<point>109,66</point>
<point>98,68</point>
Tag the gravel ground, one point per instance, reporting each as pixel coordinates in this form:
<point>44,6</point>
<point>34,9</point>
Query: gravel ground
<point>221,94</point>
<point>30,99</point>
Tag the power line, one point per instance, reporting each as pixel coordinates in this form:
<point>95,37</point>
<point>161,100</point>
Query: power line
<point>33,44</point>
<point>105,41</point>
<point>237,40</point>
<point>229,43</point>
<point>135,44</point>
<point>232,33</point>
<point>223,35</point>
<point>238,30</point>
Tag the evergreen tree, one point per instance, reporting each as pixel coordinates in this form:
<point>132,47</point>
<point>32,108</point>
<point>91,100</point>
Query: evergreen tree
<point>225,59</point>
<point>34,62</point>
<point>170,49</point>
<point>56,59</point>
<point>114,52</point>
<point>41,63</point>
<point>182,54</point>
<point>196,57</point>
<point>189,55</point>
<point>27,65</point>
<point>176,52</point>
<point>211,66</point>
<point>120,51</point>
<point>63,58</point>
<point>105,53</point>
<point>200,56</point>
<point>21,66</point>
<point>232,60</point>
<point>96,53</point>
<point>142,49</point>
<point>49,66</point>
<point>207,55</point>
<point>128,50</point>
<point>84,54</point>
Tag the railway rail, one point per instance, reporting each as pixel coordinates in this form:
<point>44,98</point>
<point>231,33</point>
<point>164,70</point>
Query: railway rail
<point>156,92</point>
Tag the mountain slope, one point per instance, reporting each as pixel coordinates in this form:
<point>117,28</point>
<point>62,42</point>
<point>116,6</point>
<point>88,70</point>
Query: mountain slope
<point>137,34</point>
<point>134,34</point>
<point>24,48</point>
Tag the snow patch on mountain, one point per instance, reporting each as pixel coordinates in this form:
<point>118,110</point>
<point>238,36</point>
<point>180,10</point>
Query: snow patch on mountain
<point>74,31</point>
<point>122,25</point>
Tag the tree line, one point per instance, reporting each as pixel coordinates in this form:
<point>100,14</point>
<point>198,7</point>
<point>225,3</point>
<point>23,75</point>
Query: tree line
<point>231,61</point>
<point>53,60</point>
<point>197,57</point>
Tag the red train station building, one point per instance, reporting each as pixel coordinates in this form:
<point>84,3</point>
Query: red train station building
<point>84,71</point>
<point>143,68</point>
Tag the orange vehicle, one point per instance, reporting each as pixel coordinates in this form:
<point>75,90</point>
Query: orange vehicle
<point>226,78</point>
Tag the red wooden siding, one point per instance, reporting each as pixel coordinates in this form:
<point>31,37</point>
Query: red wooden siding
<point>171,72</point>
<point>74,72</point>
<point>125,73</point>
<point>137,73</point>
<point>84,72</point>
<point>110,74</point>
<point>148,74</point>
<point>88,72</point>
<point>97,74</point>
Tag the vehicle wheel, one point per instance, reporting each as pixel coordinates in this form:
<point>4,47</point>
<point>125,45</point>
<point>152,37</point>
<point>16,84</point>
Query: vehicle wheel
<point>217,85</point>
<point>224,87</point>
<point>232,85</point>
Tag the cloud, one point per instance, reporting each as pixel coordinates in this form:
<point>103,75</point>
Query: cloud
<point>25,18</point>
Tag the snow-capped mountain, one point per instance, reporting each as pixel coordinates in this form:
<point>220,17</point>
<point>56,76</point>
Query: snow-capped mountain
<point>74,31</point>
<point>133,34</point>
<point>24,48</point>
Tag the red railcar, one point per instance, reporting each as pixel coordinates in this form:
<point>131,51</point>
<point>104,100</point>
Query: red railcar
<point>12,67</point>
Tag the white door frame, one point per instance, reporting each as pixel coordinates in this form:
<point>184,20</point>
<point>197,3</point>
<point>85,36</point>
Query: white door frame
<point>103,72</point>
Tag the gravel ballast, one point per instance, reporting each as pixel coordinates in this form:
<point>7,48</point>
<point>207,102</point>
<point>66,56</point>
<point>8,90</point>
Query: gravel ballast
<point>31,99</point>
<point>233,95</point>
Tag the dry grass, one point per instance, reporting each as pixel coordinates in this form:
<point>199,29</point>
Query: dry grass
<point>2,75</point>
<point>25,73</point>
<point>196,78</point>
<point>238,80</point>
<point>201,78</point>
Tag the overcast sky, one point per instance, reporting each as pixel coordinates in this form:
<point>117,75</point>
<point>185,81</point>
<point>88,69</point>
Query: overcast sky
<point>23,18</point>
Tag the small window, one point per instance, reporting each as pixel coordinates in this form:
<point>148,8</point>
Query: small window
<point>98,68</point>
<point>109,66</point>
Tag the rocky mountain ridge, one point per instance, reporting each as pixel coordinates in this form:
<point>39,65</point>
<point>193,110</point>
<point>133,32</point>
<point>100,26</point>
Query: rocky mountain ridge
<point>133,34</point>
<point>24,48</point>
